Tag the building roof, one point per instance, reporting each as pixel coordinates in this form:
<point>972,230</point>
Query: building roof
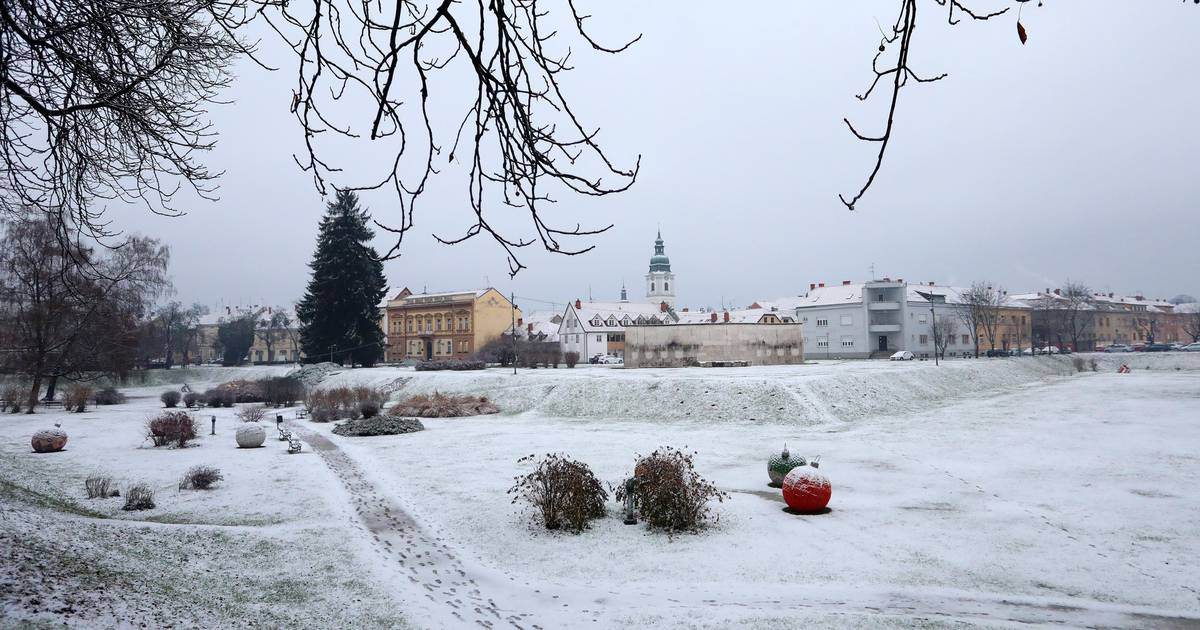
<point>659,261</point>
<point>538,325</point>
<point>620,314</point>
<point>225,312</point>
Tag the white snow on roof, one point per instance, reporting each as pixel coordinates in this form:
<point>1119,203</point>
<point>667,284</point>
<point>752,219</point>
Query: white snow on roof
<point>219,313</point>
<point>613,315</point>
<point>542,324</point>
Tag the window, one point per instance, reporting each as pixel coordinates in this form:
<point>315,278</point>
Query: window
<point>922,318</point>
<point>822,322</point>
<point>924,341</point>
<point>966,340</point>
<point>651,287</point>
<point>847,320</point>
<point>666,286</point>
<point>599,338</point>
<point>823,342</point>
<point>847,342</point>
<point>410,325</point>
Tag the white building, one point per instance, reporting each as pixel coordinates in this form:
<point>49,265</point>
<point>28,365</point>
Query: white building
<point>592,328</point>
<point>877,318</point>
<point>660,282</point>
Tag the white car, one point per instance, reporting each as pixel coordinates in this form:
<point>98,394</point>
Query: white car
<point>903,355</point>
<point>609,359</point>
<point>1192,347</point>
<point>1118,347</point>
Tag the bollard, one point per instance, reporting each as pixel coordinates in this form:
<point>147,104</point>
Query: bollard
<point>214,425</point>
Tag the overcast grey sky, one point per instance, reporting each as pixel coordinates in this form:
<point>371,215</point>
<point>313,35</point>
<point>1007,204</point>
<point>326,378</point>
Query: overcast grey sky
<point>1073,156</point>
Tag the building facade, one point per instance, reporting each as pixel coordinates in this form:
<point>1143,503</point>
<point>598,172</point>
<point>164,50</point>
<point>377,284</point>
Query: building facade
<point>438,326</point>
<point>683,345</point>
<point>592,328</point>
<point>271,344</point>
<point>876,319</point>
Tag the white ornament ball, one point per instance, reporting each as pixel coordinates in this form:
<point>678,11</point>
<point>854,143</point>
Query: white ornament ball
<point>251,435</point>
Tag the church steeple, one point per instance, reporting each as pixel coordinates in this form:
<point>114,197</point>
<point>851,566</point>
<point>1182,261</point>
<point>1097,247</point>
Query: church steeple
<point>660,281</point>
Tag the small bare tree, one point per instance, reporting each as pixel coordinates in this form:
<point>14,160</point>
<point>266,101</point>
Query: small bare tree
<point>979,310</point>
<point>944,329</point>
<point>273,326</point>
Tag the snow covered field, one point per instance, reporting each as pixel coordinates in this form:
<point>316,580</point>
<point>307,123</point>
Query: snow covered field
<point>993,493</point>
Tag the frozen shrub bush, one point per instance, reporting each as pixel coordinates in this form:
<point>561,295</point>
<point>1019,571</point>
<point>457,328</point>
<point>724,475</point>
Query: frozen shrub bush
<point>1092,364</point>
<point>108,396</point>
<point>1078,363</point>
<point>251,413</point>
<point>170,398</point>
<point>669,493</point>
<point>11,396</point>
<point>139,497</point>
<point>213,397</point>
<point>368,408</point>
<point>444,406</point>
<point>378,425</point>
<point>192,399</point>
<point>323,414</point>
<point>200,478</point>
<point>76,397</point>
<point>449,364</point>
<point>100,487</point>
<point>571,358</point>
<point>563,492</point>
<point>171,427</point>
<point>343,403</point>
<point>241,391</point>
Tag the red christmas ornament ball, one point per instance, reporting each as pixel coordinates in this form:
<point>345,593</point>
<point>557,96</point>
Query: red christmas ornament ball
<point>805,489</point>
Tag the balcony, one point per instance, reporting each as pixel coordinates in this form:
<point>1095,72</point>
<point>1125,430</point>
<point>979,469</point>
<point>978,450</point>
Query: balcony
<point>883,306</point>
<point>884,328</point>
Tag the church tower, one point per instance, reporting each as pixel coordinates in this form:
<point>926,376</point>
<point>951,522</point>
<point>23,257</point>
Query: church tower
<point>660,282</point>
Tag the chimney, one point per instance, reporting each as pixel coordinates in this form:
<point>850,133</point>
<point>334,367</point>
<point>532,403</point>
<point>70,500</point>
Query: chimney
<point>812,285</point>
<point>931,283</point>
<point>726,315</point>
<point>578,304</point>
<point>529,328</point>
<point>822,285</point>
<point>685,309</point>
<point>1047,290</point>
<point>662,306</point>
<point>1110,295</point>
<point>900,280</point>
<point>845,283</point>
<point>1056,291</point>
<point>713,317</point>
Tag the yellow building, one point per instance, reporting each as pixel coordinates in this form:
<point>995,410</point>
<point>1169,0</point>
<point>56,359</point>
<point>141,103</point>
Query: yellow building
<point>453,325</point>
<point>1014,329</point>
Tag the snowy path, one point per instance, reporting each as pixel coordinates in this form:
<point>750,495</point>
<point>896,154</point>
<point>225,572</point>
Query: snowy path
<point>452,589</point>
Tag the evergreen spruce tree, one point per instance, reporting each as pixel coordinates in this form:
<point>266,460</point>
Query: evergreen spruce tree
<point>339,314</point>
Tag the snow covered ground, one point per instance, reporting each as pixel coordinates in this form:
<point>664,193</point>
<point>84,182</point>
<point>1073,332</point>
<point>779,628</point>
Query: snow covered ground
<point>989,492</point>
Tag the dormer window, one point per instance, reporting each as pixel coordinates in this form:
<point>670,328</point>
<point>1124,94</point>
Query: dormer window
<point>612,321</point>
<point>596,321</point>
<point>625,321</point>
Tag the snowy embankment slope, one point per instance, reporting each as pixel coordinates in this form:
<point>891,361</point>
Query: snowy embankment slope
<point>808,394</point>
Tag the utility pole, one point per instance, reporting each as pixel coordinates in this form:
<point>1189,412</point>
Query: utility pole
<point>933,327</point>
<point>513,311</point>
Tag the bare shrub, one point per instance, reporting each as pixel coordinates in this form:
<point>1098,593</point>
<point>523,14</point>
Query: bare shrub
<point>368,408</point>
<point>100,487</point>
<point>1092,364</point>
<point>343,403</point>
<point>670,494</point>
<point>170,398</point>
<point>108,396</point>
<point>12,395</point>
<point>139,497</point>
<point>282,390</point>
<point>1078,363</point>
<point>171,427</point>
<point>200,478</point>
<point>444,406</point>
<point>449,364</point>
<point>323,414</point>
<point>213,397</point>
<point>564,492</point>
<point>76,397</point>
<point>571,358</point>
<point>192,399</point>
<point>242,391</point>
<point>251,413</point>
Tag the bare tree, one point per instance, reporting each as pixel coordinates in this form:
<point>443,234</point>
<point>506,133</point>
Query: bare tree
<point>1191,321</point>
<point>272,326</point>
<point>515,129</point>
<point>178,327</point>
<point>61,319</point>
<point>979,310</point>
<point>891,67</point>
<point>944,329</point>
<point>105,100</point>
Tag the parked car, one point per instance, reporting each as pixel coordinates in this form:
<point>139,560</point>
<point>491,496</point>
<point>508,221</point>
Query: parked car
<point>1119,347</point>
<point>609,359</point>
<point>1192,347</point>
<point>1158,347</point>
<point>1139,347</point>
<point>1048,350</point>
<point>1000,352</point>
<point>903,355</point>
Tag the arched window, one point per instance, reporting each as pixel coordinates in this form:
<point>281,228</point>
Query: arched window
<point>666,286</point>
<point>651,286</point>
